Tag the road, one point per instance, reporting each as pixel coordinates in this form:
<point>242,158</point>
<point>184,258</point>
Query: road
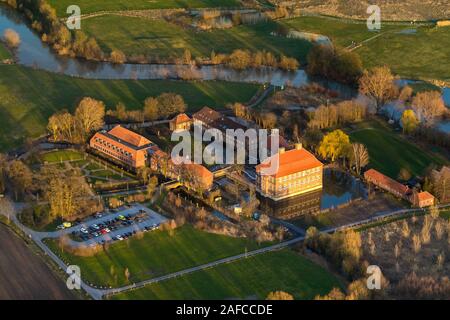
<point>98,294</point>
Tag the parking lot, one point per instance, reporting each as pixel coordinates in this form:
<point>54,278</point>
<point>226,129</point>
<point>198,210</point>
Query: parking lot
<point>118,225</point>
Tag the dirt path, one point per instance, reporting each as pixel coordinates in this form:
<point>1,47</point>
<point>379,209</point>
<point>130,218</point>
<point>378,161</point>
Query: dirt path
<point>23,275</point>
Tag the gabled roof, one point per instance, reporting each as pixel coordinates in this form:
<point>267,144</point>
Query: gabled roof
<point>198,170</point>
<point>380,178</point>
<point>424,196</point>
<point>207,115</point>
<point>291,161</point>
<point>128,136</point>
<point>216,120</point>
<point>181,118</point>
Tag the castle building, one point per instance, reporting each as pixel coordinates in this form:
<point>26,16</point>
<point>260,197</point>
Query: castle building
<point>298,172</point>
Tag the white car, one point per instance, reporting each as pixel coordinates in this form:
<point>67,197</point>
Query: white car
<point>107,230</point>
<point>119,237</point>
<point>83,230</point>
<point>96,227</point>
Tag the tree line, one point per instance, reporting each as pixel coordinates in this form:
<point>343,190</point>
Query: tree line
<point>161,107</point>
<point>42,18</point>
<point>77,128</point>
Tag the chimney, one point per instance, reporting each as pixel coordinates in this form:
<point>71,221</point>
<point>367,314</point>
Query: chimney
<point>298,146</point>
<point>281,150</point>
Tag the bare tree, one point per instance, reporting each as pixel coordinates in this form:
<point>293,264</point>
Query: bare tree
<point>360,156</point>
<point>378,83</point>
<point>89,115</point>
<point>428,106</point>
<point>12,38</point>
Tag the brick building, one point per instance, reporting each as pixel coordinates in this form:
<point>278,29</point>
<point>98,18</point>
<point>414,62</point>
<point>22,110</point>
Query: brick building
<point>191,175</point>
<point>122,145</point>
<point>390,185</point>
<point>419,199</point>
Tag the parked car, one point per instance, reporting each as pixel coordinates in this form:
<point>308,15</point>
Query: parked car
<point>119,237</point>
<point>83,230</point>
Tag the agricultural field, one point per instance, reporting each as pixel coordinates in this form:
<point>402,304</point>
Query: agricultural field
<point>251,278</point>
<point>419,54</point>
<point>412,52</point>
<point>24,110</point>
<point>18,280</point>
<point>159,38</point>
<point>400,10</point>
<point>341,32</point>
<point>158,253</point>
<point>89,6</point>
<point>389,151</point>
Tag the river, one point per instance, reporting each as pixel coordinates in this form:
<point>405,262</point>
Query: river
<point>32,52</point>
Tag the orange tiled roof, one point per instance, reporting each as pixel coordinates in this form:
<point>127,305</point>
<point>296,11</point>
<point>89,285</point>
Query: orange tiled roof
<point>198,169</point>
<point>424,196</point>
<point>378,177</point>
<point>292,161</point>
<point>129,136</point>
<point>181,118</point>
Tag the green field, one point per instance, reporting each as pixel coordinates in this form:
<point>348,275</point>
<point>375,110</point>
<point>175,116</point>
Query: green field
<point>28,97</point>
<point>389,151</point>
<point>4,54</point>
<point>89,6</point>
<point>158,253</point>
<point>252,278</point>
<point>412,55</point>
<point>61,155</point>
<point>164,39</point>
<point>340,32</point>
<point>423,54</point>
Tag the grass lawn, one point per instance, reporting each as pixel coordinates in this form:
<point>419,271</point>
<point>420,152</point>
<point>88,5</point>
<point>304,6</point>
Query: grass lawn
<point>61,155</point>
<point>164,39</point>
<point>158,253</point>
<point>251,278</point>
<point>4,54</point>
<point>89,6</point>
<point>28,97</point>
<point>389,151</point>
